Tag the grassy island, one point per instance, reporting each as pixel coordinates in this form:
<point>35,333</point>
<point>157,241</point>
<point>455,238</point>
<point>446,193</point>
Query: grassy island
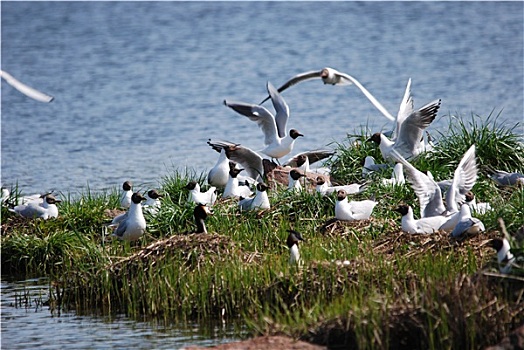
<point>364,284</point>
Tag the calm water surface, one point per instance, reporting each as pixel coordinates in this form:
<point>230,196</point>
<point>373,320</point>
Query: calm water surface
<point>28,324</point>
<point>139,85</point>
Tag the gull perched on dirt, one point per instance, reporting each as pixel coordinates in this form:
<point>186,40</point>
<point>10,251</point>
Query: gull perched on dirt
<point>152,204</point>
<point>259,201</point>
<point>36,210</point>
<point>333,77</point>
<point>26,90</point>
<point>467,224</point>
<point>195,196</point>
<point>277,141</point>
<point>409,130</point>
<point>424,225</point>
<point>354,210</point>
<point>132,224</point>
<point>127,192</point>
<point>324,189</point>
<point>233,189</point>
<point>292,242</point>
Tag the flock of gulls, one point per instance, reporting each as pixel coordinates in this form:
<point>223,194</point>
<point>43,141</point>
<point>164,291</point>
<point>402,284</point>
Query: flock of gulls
<point>240,173</point>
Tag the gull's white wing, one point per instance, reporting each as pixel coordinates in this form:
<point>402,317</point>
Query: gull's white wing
<point>426,189</point>
<point>463,180</point>
<point>281,110</point>
<point>26,90</point>
<point>412,128</point>
<point>250,160</point>
<point>405,109</point>
<point>260,115</point>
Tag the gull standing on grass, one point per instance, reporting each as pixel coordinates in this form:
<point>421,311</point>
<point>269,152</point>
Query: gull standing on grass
<point>200,213</point>
<point>424,225</point>
<point>277,141</point>
<point>259,201</point>
<point>354,210</point>
<point>410,129</point>
<point>152,204</point>
<point>429,192</point>
<point>195,196</point>
<point>505,258</point>
<point>219,174</point>
<point>333,77</point>
<point>324,189</point>
<point>292,242</point>
<point>35,210</point>
<point>294,180</point>
<point>132,224</point>
<point>127,192</point>
<point>233,189</point>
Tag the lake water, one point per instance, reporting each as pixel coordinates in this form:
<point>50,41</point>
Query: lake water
<point>27,323</point>
<point>139,88</point>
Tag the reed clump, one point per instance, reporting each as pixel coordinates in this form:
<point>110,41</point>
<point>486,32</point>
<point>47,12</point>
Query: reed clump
<point>363,284</point>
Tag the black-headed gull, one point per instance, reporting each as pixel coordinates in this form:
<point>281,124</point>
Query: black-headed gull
<point>26,90</point>
<point>409,130</point>
<point>426,189</point>
<point>133,224</point>
<point>292,242</point>
<point>354,210</point>
<point>294,180</point>
<point>219,173</point>
<point>325,189</point>
<point>333,77</point>
<point>505,258</point>
<point>196,196</point>
<point>153,203</point>
<point>35,210</point>
<point>467,225</point>
<point>259,201</point>
<point>303,160</point>
<point>478,208</point>
<point>278,142</point>
<point>248,159</point>
<point>200,214</point>
<point>464,179</point>
<point>127,192</point>
<point>424,225</point>
<point>233,189</point>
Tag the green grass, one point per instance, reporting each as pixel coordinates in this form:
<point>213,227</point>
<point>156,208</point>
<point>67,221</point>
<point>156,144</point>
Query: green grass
<point>395,290</point>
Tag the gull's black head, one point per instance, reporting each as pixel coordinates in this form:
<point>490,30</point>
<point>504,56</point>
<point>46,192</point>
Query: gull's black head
<point>294,133</point>
<point>341,195</point>
<point>127,186</point>
<point>137,198</point>
<point>375,138</point>
<point>402,209</point>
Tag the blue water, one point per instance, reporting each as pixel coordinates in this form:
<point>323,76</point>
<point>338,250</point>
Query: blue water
<point>139,85</point>
<point>28,323</point>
